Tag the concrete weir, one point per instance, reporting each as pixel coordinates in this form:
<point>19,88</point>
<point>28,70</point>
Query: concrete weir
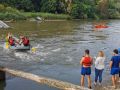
<point>44,80</point>
<point>50,82</point>
<point>3,25</point>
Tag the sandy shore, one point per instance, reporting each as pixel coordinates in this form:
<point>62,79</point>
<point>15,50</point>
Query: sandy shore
<point>107,87</point>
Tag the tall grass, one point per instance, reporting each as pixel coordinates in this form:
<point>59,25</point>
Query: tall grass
<point>46,15</point>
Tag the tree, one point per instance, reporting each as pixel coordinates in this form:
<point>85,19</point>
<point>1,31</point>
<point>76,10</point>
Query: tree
<point>36,5</point>
<point>25,5</point>
<point>103,8</point>
<point>83,9</point>
<point>52,6</point>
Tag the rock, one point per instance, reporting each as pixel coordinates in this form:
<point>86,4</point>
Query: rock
<point>39,18</point>
<point>3,25</point>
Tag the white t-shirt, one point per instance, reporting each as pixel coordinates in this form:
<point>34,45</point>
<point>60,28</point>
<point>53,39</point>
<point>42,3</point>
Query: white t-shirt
<point>100,63</point>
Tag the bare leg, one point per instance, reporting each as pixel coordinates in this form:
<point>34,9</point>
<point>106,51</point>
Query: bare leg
<point>113,81</point>
<point>82,80</point>
<point>89,81</point>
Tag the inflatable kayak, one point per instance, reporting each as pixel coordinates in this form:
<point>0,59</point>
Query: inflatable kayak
<point>100,26</point>
<point>17,47</point>
<point>20,47</point>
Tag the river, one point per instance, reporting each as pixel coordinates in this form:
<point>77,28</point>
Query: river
<point>60,45</point>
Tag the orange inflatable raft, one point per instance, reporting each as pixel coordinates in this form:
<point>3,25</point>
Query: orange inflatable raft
<point>101,26</point>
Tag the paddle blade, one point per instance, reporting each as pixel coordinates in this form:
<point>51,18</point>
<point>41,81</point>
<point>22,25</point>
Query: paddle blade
<point>34,49</point>
<point>7,45</point>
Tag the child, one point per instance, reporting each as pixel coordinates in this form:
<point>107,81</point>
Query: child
<point>99,67</point>
<point>114,65</point>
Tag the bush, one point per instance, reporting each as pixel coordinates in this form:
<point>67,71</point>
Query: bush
<point>113,14</point>
<point>83,11</point>
<point>2,8</point>
<point>76,11</point>
<point>8,13</point>
<point>11,10</point>
<point>9,16</point>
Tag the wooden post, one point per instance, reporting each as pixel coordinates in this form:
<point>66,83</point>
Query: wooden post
<point>44,80</point>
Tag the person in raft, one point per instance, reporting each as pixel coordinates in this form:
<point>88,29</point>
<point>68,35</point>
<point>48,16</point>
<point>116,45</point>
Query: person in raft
<point>99,67</point>
<point>11,41</point>
<point>86,63</point>
<point>114,65</point>
<point>24,41</point>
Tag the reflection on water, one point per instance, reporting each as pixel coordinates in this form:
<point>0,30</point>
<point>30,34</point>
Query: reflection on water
<point>60,45</point>
<point>2,84</point>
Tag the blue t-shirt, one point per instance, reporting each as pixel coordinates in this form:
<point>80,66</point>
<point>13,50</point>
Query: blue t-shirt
<point>119,51</point>
<point>116,61</point>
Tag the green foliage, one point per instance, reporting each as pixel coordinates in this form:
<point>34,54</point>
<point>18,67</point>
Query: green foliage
<point>25,5</point>
<point>46,15</point>
<point>52,6</point>
<point>114,9</point>
<point>11,10</point>
<point>48,6</point>
<point>8,13</point>
<point>77,9</point>
<point>2,8</point>
<point>83,10</point>
<point>9,16</point>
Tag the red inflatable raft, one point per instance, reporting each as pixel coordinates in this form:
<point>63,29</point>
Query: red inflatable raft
<point>101,26</point>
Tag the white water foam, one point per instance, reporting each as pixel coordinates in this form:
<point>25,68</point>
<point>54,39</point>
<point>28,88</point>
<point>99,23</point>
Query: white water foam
<point>69,59</point>
<point>56,50</point>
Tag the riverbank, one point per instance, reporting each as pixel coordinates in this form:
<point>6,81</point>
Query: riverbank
<point>27,15</point>
<point>47,16</point>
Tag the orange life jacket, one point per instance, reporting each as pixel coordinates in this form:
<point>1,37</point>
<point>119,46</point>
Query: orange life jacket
<point>11,41</point>
<point>87,61</point>
<point>26,41</point>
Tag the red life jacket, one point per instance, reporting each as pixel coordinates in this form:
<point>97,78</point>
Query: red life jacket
<point>11,41</point>
<point>87,61</point>
<point>26,41</point>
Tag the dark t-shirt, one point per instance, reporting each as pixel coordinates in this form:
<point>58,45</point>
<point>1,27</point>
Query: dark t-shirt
<point>116,61</point>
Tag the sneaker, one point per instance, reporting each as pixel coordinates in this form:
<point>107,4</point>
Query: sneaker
<point>95,83</point>
<point>100,84</point>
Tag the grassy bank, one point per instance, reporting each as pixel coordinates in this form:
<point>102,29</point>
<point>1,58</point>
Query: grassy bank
<point>11,16</point>
<point>27,15</point>
<point>46,15</point>
<point>10,13</point>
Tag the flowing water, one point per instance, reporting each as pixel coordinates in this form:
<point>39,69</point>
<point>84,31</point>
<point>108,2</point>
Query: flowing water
<point>59,47</point>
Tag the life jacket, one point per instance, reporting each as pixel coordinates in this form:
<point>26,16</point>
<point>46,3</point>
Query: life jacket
<point>11,41</point>
<point>26,41</point>
<point>87,61</point>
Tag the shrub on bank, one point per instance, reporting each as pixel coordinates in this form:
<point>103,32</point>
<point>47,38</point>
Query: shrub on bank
<point>8,13</point>
<point>113,14</point>
<point>10,16</point>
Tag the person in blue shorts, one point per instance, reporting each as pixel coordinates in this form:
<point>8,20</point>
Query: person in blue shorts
<point>86,63</point>
<point>119,54</point>
<point>114,65</point>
